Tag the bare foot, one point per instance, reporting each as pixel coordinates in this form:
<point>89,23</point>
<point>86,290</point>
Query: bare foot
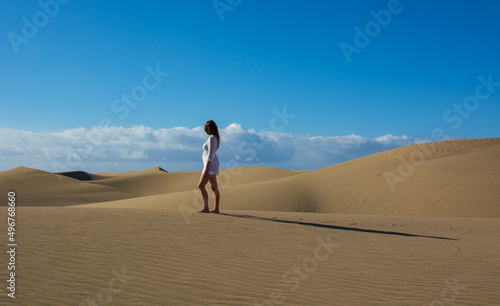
<point>215,211</point>
<point>203,211</point>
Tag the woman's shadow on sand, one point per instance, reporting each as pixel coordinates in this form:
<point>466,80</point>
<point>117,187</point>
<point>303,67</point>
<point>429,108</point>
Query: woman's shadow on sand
<point>337,227</point>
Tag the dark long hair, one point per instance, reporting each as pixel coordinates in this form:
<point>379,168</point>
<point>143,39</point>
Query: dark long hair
<point>212,129</point>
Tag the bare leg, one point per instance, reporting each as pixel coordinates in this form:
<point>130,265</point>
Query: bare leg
<point>204,194</point>
<point>215,189</point>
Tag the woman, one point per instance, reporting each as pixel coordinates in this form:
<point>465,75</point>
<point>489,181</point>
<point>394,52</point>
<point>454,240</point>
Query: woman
<point>210,167</point>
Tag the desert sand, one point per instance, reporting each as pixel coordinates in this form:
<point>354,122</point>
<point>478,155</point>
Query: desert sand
<point>417,225</point>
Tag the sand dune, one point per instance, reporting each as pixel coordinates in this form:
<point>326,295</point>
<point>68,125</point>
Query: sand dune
<point>446,179</point>
<point>153,182</point>
<point>40,188</point>
<point>416,225</point>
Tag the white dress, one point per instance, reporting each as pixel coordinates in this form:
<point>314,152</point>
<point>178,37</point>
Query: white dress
<point>209,149</point>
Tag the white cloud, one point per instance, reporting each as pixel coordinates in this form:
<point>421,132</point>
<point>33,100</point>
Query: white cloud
<point>179,149</point>
<point>124,154</point>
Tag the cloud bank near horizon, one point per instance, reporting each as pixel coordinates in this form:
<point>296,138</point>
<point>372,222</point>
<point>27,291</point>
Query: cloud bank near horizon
<point>118,149</point>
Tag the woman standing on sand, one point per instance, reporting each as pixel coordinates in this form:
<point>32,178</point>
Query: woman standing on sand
<point>210,167</point>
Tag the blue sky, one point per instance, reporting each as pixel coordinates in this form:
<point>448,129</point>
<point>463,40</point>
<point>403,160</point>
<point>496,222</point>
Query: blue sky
<point>240,66</point>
